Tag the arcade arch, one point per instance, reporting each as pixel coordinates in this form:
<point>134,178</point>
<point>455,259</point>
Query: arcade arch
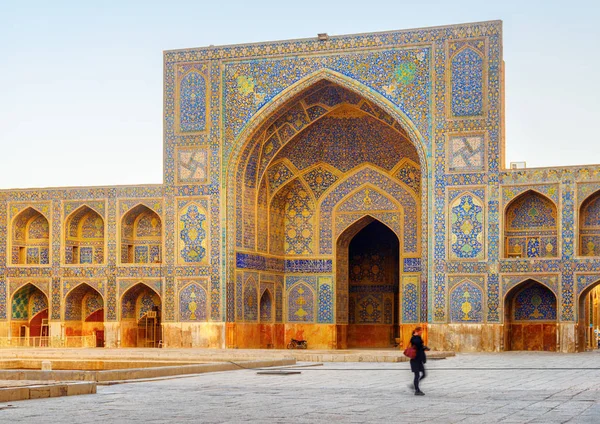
<point>84,315</point>
<point>530,227</point>
<point>530,317</point>
<point>29,312</point>
<point>588,318</point>
<point>589,226</point>
<point>30,238</point>
<point>84,237</point>
<point>141,236</point>
<point>140,317</point>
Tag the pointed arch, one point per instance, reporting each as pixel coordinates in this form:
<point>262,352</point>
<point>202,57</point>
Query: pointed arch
<point>84,236</point>
<point>466,300</point>
<point>193,303</point>
<point>82,301</point>
<point>141,235</point>
<point>588,313</point>
<point>291,215</point>
<point>30,241</point>
<point>531,226</point>
<point>467,85</point>
<point>329,75</point>
<point>589,225</point>
<point>301,303</point>
<point>192,101</point>
<point>266,306</point>
<point>530,316</point>
<point>516,284</point>
<point>411,218</point>
<point>138,293</point>
<point>41,285</point>
<point>27,301</point>
<point>247,138</point>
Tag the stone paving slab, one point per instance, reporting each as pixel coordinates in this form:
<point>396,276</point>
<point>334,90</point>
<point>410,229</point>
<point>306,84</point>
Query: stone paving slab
<point>469,388</point>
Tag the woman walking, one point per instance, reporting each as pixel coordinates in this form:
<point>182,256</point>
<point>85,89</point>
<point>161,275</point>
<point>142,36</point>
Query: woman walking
<point>417,364</point>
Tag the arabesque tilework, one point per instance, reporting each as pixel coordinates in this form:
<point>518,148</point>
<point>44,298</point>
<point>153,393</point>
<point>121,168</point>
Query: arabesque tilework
<point>276,155</point>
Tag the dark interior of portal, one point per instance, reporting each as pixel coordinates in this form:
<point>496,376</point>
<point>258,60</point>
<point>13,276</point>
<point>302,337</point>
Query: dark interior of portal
<point>374,255</point>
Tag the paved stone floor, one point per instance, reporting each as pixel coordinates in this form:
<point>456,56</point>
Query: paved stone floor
<point>469,388</point>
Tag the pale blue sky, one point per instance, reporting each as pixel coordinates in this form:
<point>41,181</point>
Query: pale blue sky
<point>81,82</point>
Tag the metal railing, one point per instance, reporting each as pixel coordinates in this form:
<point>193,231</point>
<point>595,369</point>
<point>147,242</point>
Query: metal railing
<point>32,342</point>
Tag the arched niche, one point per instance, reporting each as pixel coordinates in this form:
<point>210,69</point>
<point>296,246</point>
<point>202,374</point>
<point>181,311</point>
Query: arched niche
<point>324,130</point>
<point>30,238</point>
<point>531,227</point>
<point>589,226</point>
<point>193,304</point>
<point>266,308</point>
<point>84,238</point>
<point>29,311</point>
<point>140,315</point>
<point>291,218</point>
<point>531,313</point>
<point>84,315</point>
<point>466,303</point>
<point>588,316</point>
<point>141,236</point>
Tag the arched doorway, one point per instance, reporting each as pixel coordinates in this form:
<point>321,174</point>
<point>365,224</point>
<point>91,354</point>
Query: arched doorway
<point>84,317</point>
<point>140,317</point>
<point>29,316</point>
<point>368,267</point>
<point>530,318</point>
<point>266,317</point>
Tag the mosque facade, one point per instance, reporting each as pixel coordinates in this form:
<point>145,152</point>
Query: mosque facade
<point>341,190</point>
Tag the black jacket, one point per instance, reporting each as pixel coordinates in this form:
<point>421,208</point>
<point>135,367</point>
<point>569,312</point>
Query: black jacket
<point>420,359</point>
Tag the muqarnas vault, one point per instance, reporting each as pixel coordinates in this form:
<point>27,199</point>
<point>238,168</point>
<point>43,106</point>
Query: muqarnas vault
<point>338,189</point>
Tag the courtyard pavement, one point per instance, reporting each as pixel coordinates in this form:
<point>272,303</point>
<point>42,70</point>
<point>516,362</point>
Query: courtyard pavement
<point>510,387</point>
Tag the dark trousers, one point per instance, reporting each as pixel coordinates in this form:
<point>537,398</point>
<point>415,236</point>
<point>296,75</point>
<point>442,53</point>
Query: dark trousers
<point>419,375</point>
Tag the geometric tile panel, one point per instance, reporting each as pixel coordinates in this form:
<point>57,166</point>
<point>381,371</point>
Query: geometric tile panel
<point>466,303</point>
<point>192,234</point>
<point>301,303</point>
<point>466,225</point>
<point>326,310</point>
<point>467,83</point>
<point>192,165</point>
<point>410,299</point>
<point>192,303</point>
<point>466,153</point>
<point>192,97</point>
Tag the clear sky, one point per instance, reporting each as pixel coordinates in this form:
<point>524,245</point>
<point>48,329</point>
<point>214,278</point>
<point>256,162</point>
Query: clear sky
<point>81,82</point>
